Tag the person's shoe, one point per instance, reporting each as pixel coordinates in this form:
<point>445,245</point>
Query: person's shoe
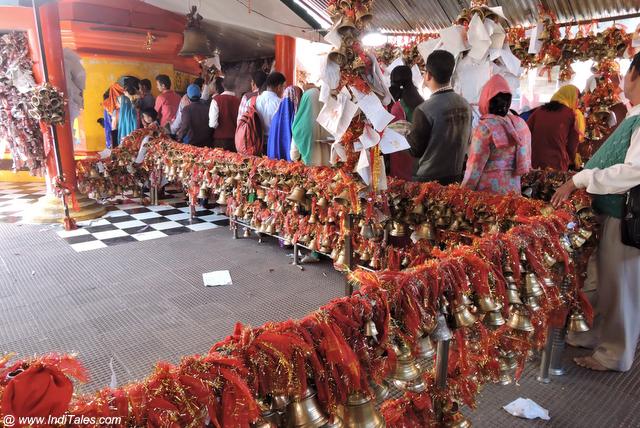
<point>310,259</point>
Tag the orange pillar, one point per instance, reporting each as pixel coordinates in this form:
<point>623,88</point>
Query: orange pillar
<point>286,57</point>
<point>54,58</point>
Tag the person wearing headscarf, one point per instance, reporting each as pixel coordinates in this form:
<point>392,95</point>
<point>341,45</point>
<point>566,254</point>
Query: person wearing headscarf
<point>404,92</point>
<point>556,130</point>
<point>110,106</point>
<point>128,115</point>
<point>500,151</point>
<point>308,142</point>
<point>279,142</point>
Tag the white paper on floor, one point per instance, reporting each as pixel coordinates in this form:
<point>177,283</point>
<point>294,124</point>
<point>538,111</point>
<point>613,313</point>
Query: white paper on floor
<point>527,408</point>
<point>216,278</point>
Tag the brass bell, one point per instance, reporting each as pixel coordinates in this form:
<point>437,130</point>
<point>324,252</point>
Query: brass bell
<point>513,296</point>
<point>399,229</point>
<point>360,412</point>
<point>334,253</point>
<point>418,209</point>
<point>195,41</point>
<point>365,256</point>
<point>305,412</point>
<point>463,316</point>
<point>424,347</point>
<point>380,391</point>
<point>313,243</point>
<point>441,332</point>
<point>505,373</point>
<point>406,369</point>
<point>493,319</point>
<point>260,193</point>
<point>346,24</point>
<point>532,286</point>
<point>343,198</point>
<point>566,244</point>
<point>577,241</point>
<point>375,263</point>
<point>370,329</point>
<point>238,177</point>
<point>549,260</point>
<point>322,202</point>
<point>338,56</point>
<point>458,420</point>
<point>230,181</point>
<point>487,304</point>
<point>342,259</point>
<point>367,231</point>
<point>519,320</point>
<point>548,282</point>
<point>313,219</point>
<point>246,233</point>
<point>222,199</point>
<point>532,304</point>
<point>577,323</point>
<point>271,229</point>
<point>585,233</point>
<point>296,195</point>
<point>426,231</point>
<point>440,221</point>
<point>279,402</point>
<point>239,211</point>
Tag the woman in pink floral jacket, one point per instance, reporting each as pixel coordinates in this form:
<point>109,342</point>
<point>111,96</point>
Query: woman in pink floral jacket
<point>500,151</point>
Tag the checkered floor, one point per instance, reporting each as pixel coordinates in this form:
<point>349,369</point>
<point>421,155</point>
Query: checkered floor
<point>125,221</point>
<point>15,198</point>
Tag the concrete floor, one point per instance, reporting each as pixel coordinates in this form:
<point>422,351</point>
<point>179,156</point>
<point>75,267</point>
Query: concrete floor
<point>141,302</point>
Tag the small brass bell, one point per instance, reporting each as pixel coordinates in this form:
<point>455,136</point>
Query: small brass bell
<point>424,347</point>
<point>513,296</point>
<point>532,286</point>
<point>440,221</point>
<point>532,304</point>
<point>279,402</point>
<point>463,316</point>
<point>239,212</point>
<point>222,199</point>
<point>246,233</point>
<point>418,209</point>
<point>360,412</point>
<point>493,319</point>
<point>577,241</point>
<point>334,253</point>
<point>399,229</point>
<point>577,323</point>
<point>549,260</point>
<point>487,304</point>
<point>365,256</point>
<point>380,391</point>
<point>505,373</point>
<point>519,320</point>
<point>426,231</point>
<point>296,195</point>
<point>343,198</point>
<point>370,329</point>
<point>238,177</point>
<point>458,420</point>
<point>313,244</point>
<point>367,231</point>
<point>313,219</point>
<point>585,233</point>
<point>342,259</point>
<point>322,202</point>
<point>566,244</point>
<point>441,332</point>
<point>271,229</point>
<point>548,282</point>
<point>375,263</point>
<point>305,412</point>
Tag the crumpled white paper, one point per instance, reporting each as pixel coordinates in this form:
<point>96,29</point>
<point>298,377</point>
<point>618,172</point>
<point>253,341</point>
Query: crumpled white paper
<point>217,278</point>
<point>527,408</point>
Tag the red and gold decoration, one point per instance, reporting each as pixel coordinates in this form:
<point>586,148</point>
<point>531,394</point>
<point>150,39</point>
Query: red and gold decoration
<point>17,127</point>
<point>47,104</point>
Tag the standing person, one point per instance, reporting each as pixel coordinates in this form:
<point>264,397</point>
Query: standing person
<point>307,134</point>
<point>556,130</point>
<point>258,79</point>
<point>128,115</point>
<point>195,129</point>
<point>402,164</point>
<point>610,173</point>
<point>441,127</point>
<point>184,101</point>
<point>279,142</point>
<point>500,151</point>
<point>146,100</point>
<point>167,102</point>
<point>223,112</point>
<point>111,109</point>
<point>268,102</point>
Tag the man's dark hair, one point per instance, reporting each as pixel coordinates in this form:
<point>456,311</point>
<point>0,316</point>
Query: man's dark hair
<point>275,79</point>
<point>259,77</point>
<point>199,81</point>
<point>440,65</point>
<point>146,84</point>
<point>106,94</point>
<point>219,85</point>
<point>151,113</point>
<point>635,63</point>
<point>499,104</point>
<point>401,75</point>
<point>163,79</point>
<point>229,84</point>
<point>131,88</point>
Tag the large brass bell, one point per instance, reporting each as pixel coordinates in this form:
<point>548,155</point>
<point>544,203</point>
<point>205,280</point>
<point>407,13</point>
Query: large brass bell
<point>222,199</point>
<point>463,317</point>
<point>279,402</point>
<point>493,319</point>
<point>487,304</point>
<point>532,287</point>
<point>407,371</point>
<point>418,209</point>
<point>441,332</point>
<point>425,231</point>
<point>360,412</point>
<point>398,229</point>
<point>513,295</point>
<point>380,391</point>
<point>424,347</point>
<point>370,329</point>
<point>519,320</point>
<point>195,41</point>
<point>305,412</point>
<point>296,195</point>
<point>577,323</point>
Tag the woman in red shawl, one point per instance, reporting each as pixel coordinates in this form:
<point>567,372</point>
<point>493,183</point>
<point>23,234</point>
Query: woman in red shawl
<point>500,149</point>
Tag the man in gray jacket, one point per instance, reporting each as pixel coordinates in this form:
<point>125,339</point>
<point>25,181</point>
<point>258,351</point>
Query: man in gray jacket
<point>441,127</point>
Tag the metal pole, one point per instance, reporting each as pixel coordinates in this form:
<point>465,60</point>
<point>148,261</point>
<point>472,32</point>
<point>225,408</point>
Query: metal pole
<point>543,375</point>
<point>45,74</point>
<point>442,363</point>
<point>557,337</point>
<point>348,252</point>
<point>296,254</point>
<point>234,227</point>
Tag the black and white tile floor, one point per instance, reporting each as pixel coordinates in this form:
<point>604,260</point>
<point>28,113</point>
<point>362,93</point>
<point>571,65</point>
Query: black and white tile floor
<point>125,221</point>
